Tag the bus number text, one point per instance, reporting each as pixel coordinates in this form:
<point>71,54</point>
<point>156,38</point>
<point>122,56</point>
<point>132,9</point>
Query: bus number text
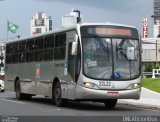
<point>104,83</point>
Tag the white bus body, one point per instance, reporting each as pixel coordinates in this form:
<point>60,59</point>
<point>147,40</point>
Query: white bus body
<point>92,62</point>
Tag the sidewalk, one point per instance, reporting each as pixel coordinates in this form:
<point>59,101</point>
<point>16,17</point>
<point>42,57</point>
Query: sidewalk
<point>148,100</point>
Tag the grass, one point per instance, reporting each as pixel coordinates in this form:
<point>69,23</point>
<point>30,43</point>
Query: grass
<point>152,84</point>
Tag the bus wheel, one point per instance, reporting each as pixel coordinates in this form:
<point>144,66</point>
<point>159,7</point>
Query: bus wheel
<point>19,95</point>
<point>110,103</point>
<point>59,101</point>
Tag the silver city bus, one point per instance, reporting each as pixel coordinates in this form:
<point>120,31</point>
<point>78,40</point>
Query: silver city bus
<point>87,62</point>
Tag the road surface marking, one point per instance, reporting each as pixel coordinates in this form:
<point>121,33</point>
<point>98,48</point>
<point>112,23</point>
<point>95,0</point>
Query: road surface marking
<point>12,101</point>
<point>137,108</point>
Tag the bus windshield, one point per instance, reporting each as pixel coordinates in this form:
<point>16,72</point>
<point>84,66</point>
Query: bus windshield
<point>111,58</point>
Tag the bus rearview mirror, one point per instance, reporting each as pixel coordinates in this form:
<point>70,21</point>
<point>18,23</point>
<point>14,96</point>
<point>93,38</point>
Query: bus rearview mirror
<point>130,53</point>
<point>74,45</point>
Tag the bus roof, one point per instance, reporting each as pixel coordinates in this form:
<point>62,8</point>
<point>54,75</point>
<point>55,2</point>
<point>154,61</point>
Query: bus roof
<point>66,29</point>
<point>107,23</point>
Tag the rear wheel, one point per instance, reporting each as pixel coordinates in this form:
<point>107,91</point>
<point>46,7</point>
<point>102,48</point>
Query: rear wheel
<point>19,95</point>
<point>111,103</point>
<point>58,100</point>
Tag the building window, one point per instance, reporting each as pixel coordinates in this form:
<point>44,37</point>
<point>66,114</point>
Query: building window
<point>40,22</point>
<point>38,30</point>
<point>146,54</point>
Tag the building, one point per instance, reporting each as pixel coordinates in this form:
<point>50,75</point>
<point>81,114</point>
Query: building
<point>151,50</point>
<point>41,23</point>
<point>2,59</point>
<point>71,19</point>
<point>156,10</point>
<point>156,18</point>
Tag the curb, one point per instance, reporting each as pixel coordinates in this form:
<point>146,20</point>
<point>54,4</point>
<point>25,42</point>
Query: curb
<point>139,105</point>
<point>151,91</point>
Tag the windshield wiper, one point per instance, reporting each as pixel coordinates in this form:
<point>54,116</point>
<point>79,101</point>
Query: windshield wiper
<point>101,44</point>
<point>121,49</point>
<point>105,49</point>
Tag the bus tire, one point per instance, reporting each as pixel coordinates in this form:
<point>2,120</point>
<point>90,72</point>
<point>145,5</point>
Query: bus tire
<point>110,103</point>
<point>58,100</point>
<point>19,95</point>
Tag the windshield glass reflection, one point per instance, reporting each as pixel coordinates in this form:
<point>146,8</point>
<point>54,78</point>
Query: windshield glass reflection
<point>106,58</point>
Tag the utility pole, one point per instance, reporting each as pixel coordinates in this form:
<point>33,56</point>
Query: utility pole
<point>156,51</point>
<point>78,18</point>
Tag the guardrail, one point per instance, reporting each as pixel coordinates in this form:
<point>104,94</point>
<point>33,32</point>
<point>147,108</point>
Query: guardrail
<point>155,72</point>
<point>147,74</point>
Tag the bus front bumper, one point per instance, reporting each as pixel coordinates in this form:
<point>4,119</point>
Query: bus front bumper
<point>91,94</point>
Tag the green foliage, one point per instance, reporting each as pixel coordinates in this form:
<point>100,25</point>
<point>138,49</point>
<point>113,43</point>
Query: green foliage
<point>150,66</point>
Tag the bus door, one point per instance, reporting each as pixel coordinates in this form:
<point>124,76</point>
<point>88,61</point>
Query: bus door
<point>70,71</point>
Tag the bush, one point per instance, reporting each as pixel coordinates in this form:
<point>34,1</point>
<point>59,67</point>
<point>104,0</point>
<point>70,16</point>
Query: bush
<point>150,66</point>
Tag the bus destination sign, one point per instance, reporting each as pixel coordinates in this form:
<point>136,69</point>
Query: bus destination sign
<point>109,31</point>
<point>113,31</point>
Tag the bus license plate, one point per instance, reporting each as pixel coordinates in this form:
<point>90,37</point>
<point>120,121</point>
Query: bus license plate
<point>113,94</point>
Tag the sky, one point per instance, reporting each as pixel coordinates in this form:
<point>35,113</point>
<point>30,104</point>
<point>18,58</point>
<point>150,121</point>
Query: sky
<point>20,12</point>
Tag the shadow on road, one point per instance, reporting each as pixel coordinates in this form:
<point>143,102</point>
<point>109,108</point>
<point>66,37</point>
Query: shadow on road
<point>76,105</point>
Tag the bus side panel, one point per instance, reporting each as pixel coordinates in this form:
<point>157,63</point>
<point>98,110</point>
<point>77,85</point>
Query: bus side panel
<point>9,78</point>
<point>48,72</point>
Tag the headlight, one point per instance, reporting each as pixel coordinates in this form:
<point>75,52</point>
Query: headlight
<point>134,86</point>
<point>90,85</point>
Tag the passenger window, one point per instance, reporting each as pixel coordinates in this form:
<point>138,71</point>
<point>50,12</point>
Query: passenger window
<point>15,48</point>
<point>22,57</point>
<point>30,56</point>
<point>48,48</point>
<point>30,45</point>
<point>60,40</point>
<point>48,54</point>
<point>22,47</point>
<point>9,48</point>
<point>39,44</point>
<point>59,53</point>
<point>15,58</point>
<point>8,59</point>
<point>60,46</point>
<point>48,42</point>
<point>38,55</point>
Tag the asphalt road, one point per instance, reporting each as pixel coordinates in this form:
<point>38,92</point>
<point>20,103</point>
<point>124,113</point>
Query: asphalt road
<point>43,107</point>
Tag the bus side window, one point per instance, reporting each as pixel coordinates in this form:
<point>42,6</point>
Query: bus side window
<point>30,50</point>
<point>48,48</point>
<point>38,49</point>
<point>8,53</point>
<point>22,53</point>
<point>39,44</point>
<point>70,61</point>
<point>60,46</point>
<point>30,45</point>
<point>9,49</point>
<point>15,52</point>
